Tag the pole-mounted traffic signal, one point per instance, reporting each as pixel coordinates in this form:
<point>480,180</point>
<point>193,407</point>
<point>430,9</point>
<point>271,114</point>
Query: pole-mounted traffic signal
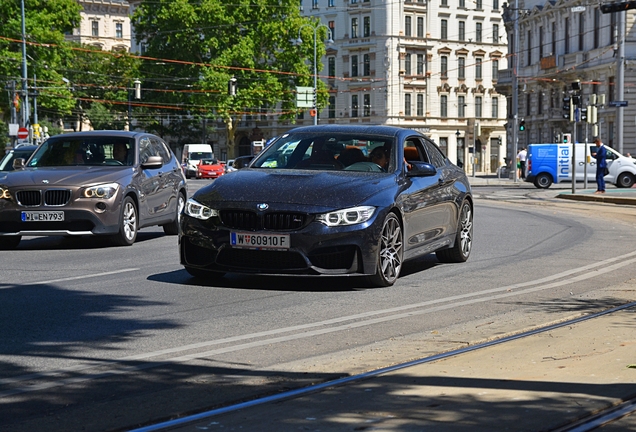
<point>617,7</point>
<point>522,125</point>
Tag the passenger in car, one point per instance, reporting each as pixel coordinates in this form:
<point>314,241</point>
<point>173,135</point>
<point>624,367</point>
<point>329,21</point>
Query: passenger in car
<point>380,156</point>
<point>351,155</point>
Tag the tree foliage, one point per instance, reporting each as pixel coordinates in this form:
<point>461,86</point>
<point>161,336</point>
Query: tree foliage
<point>210,41</point>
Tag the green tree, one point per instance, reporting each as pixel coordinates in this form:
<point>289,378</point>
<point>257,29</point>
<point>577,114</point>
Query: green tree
<point>210,41</point>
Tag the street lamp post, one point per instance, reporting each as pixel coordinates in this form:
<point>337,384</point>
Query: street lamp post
<point>137,95</point>
<point>329,41</point>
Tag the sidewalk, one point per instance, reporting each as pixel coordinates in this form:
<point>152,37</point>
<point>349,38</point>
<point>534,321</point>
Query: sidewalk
<point>613,195</point>
<point>540,382</point>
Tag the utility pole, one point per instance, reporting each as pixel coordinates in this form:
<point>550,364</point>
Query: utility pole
<point>25,91</point>
<point>515,95</point>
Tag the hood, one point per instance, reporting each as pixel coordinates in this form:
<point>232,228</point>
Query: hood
<point>325,189</point>
<point>65,176</point>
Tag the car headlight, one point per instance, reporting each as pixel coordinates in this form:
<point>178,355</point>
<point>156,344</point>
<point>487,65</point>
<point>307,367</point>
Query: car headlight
<point>198,210</point>
<point>104,191</point>
<point>4,193</point>
<point>350,216</point>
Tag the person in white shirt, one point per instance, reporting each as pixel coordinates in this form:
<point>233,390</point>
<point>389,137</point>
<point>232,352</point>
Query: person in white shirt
<point>522,156</point>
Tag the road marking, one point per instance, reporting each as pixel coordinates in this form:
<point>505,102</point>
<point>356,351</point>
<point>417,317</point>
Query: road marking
<point>51,281</point>
<point>367,318</point>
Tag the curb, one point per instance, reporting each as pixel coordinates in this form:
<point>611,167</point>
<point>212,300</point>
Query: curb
<point>599,198</point>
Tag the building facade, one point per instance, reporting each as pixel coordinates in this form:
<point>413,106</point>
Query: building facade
<point>562,43</point>
<point>105,24</point>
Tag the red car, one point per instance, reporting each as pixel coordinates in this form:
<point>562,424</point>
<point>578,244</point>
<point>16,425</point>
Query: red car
<point>210,169</point>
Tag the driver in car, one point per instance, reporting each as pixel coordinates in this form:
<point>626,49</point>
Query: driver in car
<point>120,153</point>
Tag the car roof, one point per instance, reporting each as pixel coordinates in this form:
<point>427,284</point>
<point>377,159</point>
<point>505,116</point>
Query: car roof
<point>25,148</point>
<point>106,133</point>
<point>360,129</point>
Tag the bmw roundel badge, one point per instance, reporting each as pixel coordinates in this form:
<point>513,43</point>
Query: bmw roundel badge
<point>262,207</point>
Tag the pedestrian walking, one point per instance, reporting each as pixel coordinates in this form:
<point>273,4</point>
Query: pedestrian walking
<point>601,165</point>
<point>522,156</point>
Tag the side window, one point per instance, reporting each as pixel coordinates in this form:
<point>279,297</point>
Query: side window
<point>146,149</point>
<point>435,154</point>
<point>413,150</point>
<point>160,149</point>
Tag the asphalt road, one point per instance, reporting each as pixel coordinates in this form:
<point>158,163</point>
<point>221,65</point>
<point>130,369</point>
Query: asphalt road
<point>96,337</point>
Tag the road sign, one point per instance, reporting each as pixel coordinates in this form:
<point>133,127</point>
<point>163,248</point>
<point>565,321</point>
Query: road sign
<point>618,103</point>
<point>23,133</point>
<point>578,9</point>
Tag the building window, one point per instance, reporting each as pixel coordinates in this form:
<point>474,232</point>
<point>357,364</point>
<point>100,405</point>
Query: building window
<point>461,68</point>
<point>540,103</point>
<point>479,4</point>
<point>444,66</point>
<point>444,29</point>
<point>95,28</point>
<point>495,33</point>
<point>495,4</point>
<point>354,66</point>
<point>407,104</point>
<point>478,106</point>
<point>462,4</point>
<point>597,28</point>
<point>612,27</point>
<point>461,106</point>
<point>332,107</point>
<point>478,62</point>
<point>332,27</point>
<point>444,2</point>
<point>331,67</point>
<point>581,32</point>
<point>420,27</point>
<point>407,26</point>
<point>420,64</point>
<point>443,106</point>
<point>495,107</point>
<point>314,4</point>
<point>420,105</point>
<point>443,144</point>
<point>354,28</point>
<point>462,30</point>
<point>610,88</point>
<point>367,105</point>
<point>119,30</point>
<point>366,65</point>
<point>540,43</point>
<point>478,32</point>
<point>354,105</point>
<point>331,3</point>
<point>495,70</point>
<point>566,38</point>
<point>554,38</point>
<point>407,64</point>
<point>366,27</point>
<point>529,47</point>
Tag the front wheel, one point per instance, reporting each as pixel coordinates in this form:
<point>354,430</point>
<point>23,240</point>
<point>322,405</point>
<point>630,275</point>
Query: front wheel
<point>128,224</point>
<point>543,181</point>
<point>625,180</point>
<point>390,255</point>
<point>463,239</point>
<point>173,227</point>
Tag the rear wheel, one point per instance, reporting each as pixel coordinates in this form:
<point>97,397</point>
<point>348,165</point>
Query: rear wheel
<point>625,180</point>
<point>9,242</point>
<point>128,224</point>
<point>543,181</point>
<point>172,228</point>
<point>390,255</point>
<point>463,240</point>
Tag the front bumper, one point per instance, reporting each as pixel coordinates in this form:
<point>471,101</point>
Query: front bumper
<point>315,250</point>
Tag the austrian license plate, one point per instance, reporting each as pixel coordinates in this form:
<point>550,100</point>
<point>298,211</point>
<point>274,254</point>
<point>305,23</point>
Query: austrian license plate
<point>259,241</point>
<point>42,216</point>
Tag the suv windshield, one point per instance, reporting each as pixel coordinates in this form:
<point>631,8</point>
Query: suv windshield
<point>86,150</point>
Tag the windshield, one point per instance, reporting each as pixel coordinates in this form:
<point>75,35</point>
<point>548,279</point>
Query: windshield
<point>85,150</point>
<point>327,151</point>
<point>200,155</point>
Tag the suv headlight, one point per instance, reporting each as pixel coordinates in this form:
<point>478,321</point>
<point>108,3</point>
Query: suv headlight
<point>104,191</point>
<point>198,210</point>
<point>350,216</point>
<point>4,193</point>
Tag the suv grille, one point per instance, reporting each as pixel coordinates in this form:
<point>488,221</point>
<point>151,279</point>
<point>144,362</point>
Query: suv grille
<point>247,220</point>
<point>53,197</point>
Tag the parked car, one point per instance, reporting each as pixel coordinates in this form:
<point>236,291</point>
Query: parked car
<point>210,169</point>
<point>93,183</point>
<point>297,209</point>
<point>23,152</point>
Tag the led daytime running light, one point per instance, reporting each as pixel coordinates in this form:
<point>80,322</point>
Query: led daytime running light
<point>344,217</point>
<point>198,210</point>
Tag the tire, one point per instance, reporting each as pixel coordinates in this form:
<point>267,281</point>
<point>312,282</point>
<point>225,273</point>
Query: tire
<point>390,253</point>
<point>128,223</point>
<point>204,274</point>
<point>174,227</point>
<point>9,242</point>
<point>463,240</point>
<point>543,181</point>
<point>625,180</point>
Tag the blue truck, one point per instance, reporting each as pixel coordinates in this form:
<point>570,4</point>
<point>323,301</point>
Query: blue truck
<point>552,163</point>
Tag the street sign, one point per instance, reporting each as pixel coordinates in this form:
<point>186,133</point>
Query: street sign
<point>23,133</point>
<point>578,9</point>
<point>618,103</point>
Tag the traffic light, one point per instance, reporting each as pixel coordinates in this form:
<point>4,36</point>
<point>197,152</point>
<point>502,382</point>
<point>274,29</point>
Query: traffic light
<point>584,114</point>
<point>617,7</point>
<point>522,125</point>
<point>566,107</point>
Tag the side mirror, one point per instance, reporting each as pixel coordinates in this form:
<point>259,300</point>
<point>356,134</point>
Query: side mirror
<point>18,163</point>
<point>421,169</point>
<point>153,162</point>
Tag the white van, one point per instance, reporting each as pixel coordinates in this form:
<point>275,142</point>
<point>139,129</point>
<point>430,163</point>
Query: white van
<point>552,163</point>
<point>192,154</point>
